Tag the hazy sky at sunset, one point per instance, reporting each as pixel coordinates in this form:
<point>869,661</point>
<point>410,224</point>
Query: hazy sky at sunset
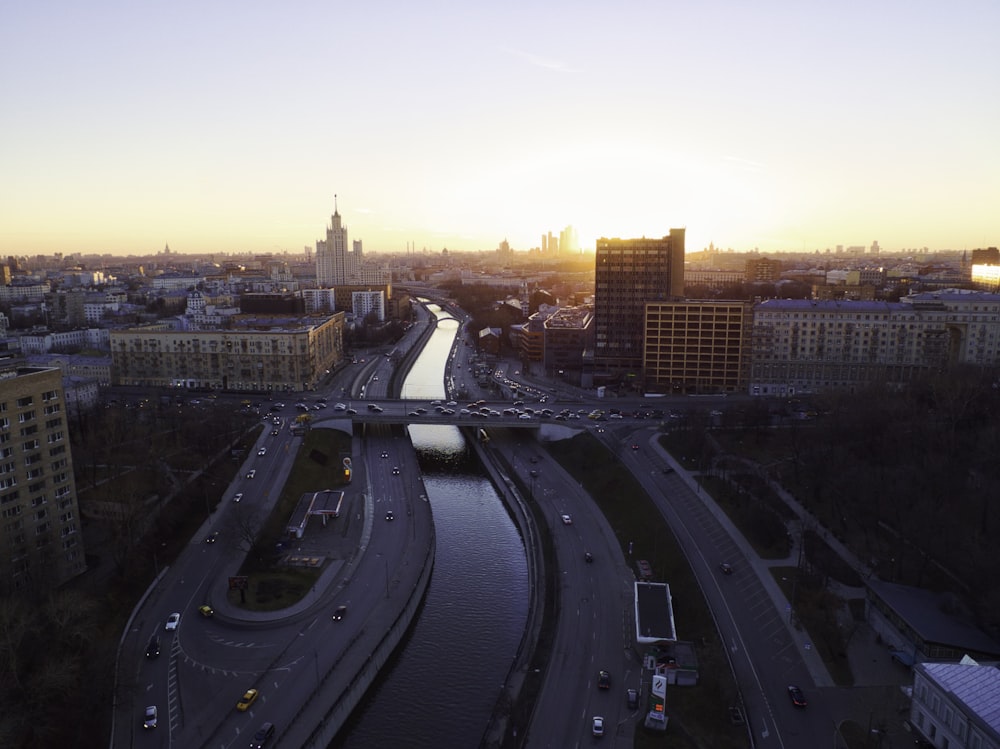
<point>225,126</point>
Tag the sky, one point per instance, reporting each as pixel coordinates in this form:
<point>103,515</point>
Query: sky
<point>222,126</point>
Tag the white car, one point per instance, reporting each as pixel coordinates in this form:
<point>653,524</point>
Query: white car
<point>598,726</point>
<point>238,496</point>
<point>251,473</point>
<point>340,407</point>
<point>172,621</point>
<point>567,520</point>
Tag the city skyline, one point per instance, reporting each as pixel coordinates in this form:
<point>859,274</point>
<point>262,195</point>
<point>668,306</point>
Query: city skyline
<point>230,128</point>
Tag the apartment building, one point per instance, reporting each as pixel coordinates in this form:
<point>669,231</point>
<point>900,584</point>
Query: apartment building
<point>957,704</point>
<point>257,354</point>
<point>41,543</point>
<point>802,346</point>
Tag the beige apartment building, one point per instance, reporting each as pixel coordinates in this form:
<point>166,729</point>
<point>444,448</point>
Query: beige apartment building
<point>805,346</point>
<point>258,354</point>
<point>41,543</point>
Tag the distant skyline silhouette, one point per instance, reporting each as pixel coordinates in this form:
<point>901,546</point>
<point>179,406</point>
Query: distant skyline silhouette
<point>229,127</point>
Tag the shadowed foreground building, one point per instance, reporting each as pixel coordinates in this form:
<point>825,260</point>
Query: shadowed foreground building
<point>41,544</point>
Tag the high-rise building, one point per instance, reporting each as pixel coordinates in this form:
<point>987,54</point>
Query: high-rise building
<point>41,543</point>
<point>569,244</point>
<point>628,274</point>
<point>334,264</point>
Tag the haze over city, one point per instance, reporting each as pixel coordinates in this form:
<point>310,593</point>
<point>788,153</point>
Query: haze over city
<point>229,127</point>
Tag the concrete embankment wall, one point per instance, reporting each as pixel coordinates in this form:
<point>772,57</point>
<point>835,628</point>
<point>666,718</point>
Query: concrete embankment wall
<point>499,471</point>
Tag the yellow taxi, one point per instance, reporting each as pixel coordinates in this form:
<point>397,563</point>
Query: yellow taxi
<point>249,697</point>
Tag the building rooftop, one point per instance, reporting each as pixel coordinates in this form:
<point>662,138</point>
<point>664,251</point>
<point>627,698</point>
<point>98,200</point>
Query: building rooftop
<point>976,686</point>
<point>926,612</point>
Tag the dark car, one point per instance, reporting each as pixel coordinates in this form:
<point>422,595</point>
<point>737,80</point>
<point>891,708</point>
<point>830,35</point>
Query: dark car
<point>632,698</point>
<point>603,680</point>
<point>726,568</point>
<point>395,470</point>
<point>533,473</point>
<point>390,516</point>
<point>262,736</point>
<point>153,649</point>
<point>588,557</point>
<point>795,694</point>
<point>339,612</point>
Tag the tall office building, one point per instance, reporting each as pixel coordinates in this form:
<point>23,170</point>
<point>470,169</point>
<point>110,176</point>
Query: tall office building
<point>628,274</point>
<point>41,543</point>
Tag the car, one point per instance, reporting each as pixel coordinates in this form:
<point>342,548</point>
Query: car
<point>395,470</point>
<point>384,454</point>
<point>249,697</point>
<point>274,432</point>
<point>149,717</point>
<point>390,516</point>
<point>632,698</point>
<point>340,407</point>
<point>635,446</point>
<point>262,736</point>
<point>796,696</point>
<point>726,568</point>
<point>567,520</point>
<point>173,621</point>
<point>339,612</point>
<point>262,451</point>
<point>238,496</point>
<point>603,680</point>
<point>597,726</point>
<point>588,557</point>
<point>251,473</point>
<point>212,537</point>
<point>668,469</point>
<point>153,648</point>
<point>206,610</point>
<point>351,411</point>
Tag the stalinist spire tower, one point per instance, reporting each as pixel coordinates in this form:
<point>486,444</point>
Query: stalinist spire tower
<point>334,265</point>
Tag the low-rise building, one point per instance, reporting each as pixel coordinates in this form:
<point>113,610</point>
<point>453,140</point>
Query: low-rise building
<point>957,704</point>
